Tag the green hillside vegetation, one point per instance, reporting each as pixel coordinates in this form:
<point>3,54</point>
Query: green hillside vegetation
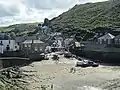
<point>20,29</point>
<point>86,17</point>
<point>81,20</point>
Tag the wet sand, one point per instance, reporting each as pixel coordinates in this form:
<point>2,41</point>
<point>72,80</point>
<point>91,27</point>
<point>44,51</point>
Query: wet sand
<point>50,73</point>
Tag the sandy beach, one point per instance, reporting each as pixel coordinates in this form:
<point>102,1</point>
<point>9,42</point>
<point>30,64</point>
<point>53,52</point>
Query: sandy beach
<point>57,76</point>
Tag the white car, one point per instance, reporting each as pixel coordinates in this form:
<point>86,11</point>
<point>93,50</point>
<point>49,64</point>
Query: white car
<point>86,63</point>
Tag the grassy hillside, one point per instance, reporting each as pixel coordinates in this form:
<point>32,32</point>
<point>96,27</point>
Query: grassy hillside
<point>83,20</point>
<point>89,16</point>
<point>20,29</point>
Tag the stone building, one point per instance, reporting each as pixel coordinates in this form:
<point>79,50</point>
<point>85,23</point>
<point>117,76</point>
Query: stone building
<point>117,40</point>
<point>106,39</point>
<point>33,46</point>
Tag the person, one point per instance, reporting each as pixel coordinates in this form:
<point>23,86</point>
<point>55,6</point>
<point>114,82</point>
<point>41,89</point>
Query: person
<point>57,59</point>
<point>8,48</point>
<point>52,87</point>
<point>72,70</point>
<point>1,48</point>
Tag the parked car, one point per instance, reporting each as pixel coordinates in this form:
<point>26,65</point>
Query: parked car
<point>59,53</point>
<point>95,64</point>
<point>82,64</point>
<point>86,63</point>
<point>79,58</point>
<point>74,56</point>
<point>67,55</point>
<point>90,63</point>
<point>55,57</point>
<point>46,57</point>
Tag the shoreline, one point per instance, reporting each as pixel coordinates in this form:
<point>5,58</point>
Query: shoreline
<point>49,73</point>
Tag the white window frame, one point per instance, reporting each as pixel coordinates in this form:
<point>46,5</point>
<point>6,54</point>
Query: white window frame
<point>36,49</point>
<point>25,45</point>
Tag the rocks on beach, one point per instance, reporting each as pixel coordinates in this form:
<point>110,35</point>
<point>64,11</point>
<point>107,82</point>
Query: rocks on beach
<point>48,75</point>
<point>58,74</point>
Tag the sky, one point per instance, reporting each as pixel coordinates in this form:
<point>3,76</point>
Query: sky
<point>24,11</point>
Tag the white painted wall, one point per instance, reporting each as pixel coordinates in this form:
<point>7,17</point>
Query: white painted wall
<point>11,43</point>
<point>1,49</point>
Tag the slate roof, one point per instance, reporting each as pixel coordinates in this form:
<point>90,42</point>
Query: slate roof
<point>30,41</point>
<point>20,39</point>
<point>23,38</point>
<point>30,37</point>
<point>38,41</point>
<point>117,37</point>
<point>77,44</point>
<point>107,36</point>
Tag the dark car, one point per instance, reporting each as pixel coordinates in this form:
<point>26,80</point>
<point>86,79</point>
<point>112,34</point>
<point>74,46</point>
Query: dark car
<point>67,55</point>
<point>95,64</point>
<point>46,58</point>
<point>90,63</point>
<point>55,57</point>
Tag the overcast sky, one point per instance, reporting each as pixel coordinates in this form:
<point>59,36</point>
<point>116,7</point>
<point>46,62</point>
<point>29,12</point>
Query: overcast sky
<point>19,11</point>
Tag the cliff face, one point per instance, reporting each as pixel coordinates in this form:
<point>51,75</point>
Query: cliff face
<point>89,16</point>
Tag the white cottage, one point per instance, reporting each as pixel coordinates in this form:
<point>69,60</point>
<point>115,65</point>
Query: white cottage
<point>1,48</point>
<point>68,41</point>
<point>106,39</point>
<point>10,45</point>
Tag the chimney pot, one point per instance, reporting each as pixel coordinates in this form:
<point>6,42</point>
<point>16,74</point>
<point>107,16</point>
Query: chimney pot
<point>32,41</point>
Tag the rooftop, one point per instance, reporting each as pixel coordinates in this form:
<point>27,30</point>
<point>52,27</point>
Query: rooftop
<point>107,36</point>
<point>117,37</point>
<point>30,41</point>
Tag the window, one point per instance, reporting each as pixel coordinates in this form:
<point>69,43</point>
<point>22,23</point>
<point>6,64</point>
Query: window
<point>8,48</point>
<point>1,42</point>
<point>29,46</point>
<point>36,49</point>
<point>15,46</point>
<point>119,41</point>
<point>40,49</point>
<point>116,41</point>
<point>9,41</point>
<point>25,45</point>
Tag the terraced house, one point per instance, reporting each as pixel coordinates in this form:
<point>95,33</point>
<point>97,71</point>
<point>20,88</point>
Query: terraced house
<point>33,46</point>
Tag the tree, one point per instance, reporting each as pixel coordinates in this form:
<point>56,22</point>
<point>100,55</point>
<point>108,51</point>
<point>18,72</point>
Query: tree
<point>46,22</point>
<point>12,35</point>
<point>6,36</point>
<point>39,25</point>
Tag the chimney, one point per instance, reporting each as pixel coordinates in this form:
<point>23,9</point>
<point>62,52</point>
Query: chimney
<point>32,41</point>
